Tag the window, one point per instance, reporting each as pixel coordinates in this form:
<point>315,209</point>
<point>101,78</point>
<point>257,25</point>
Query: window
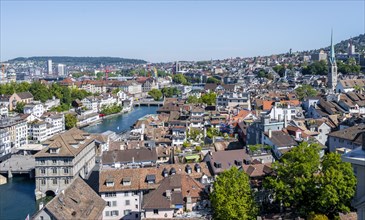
<point>67,181</point>
<point>54,181</point>
<point>114,213</point>
<point>112,194</point>
<point>155,211</point>
<point>54,161</point>
<point>111,203</point>
<point>127,212</point>
<point>127,202</point>
<point>65,170</point>
<point>65,161</point>
<point>43,181</point>
<point>136,206</point>
<point>54,170</point>
<point>135,193</point>
<point>43,162</point>
<point>43,171</point>
<point>42,218</point>
<point>126,193</point>
<point>107,213</point>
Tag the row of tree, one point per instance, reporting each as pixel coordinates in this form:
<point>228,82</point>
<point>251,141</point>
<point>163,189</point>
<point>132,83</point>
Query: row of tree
<point>167,92</point>
<point>111,109</point>
<point>44,92</point>
<point>301,181</point>
<point>321,67</point>
<point>207,98</point>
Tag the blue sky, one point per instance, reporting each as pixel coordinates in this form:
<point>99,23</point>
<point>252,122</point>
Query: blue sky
<point>160,31</point>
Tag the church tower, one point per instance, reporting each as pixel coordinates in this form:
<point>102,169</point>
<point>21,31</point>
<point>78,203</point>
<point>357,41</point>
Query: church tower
<point>332,67</point>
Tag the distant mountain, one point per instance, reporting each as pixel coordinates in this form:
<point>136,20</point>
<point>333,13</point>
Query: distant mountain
<point>81,60</point>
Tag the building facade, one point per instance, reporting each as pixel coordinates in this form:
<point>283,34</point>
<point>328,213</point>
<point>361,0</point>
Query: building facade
<point>64,157</point>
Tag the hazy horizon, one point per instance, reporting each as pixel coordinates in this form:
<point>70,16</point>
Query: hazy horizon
<point>165,31</point>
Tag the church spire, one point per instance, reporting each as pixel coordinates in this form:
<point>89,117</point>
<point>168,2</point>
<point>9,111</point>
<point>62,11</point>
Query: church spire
<point>332,53</point>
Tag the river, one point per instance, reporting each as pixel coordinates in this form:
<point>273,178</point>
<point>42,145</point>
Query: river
<point>121,122</point>
<point>17,198</point>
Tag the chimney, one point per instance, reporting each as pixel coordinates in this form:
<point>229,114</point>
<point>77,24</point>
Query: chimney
<point>168,194</point>
<point>41,205</point>
<point>363,141</point>
<point>270,133</point>
<point>285,121</point>
<point>142,131</point>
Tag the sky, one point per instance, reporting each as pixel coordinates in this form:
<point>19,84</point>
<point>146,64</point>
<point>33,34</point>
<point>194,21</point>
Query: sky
<point>163,31</point>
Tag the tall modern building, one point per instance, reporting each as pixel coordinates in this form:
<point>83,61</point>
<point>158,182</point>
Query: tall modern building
<point>61,69</point>
<point>49,67</point>
<point>332,67</point>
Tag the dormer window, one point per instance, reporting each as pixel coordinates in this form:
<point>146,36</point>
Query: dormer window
<point>165,173</point>
<point>150,179</point>
<point>126,181</point>
<point>188,169</point>
<point>54,150</point>
<point>197,168</point>
<point>172,171</point>
<point>238,162</point>
<point>217,164</point>
<point>109,182</point>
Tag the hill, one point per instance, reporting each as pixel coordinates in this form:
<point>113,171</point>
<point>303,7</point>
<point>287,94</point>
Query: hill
<point>81,60</point>
<point>358,41</point>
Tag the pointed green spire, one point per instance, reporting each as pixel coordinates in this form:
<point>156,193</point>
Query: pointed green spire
<point>332,53</point>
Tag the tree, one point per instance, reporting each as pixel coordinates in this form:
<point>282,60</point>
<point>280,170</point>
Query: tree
<point>79,94</point>
<point>301,184</point>
<point>19,107</point>
<point>213,80</point>
<point>338,182</point>
<point>316,68</point>
<point>198,148</point>
<point>111,109</point>
<point>40,91</point>
<point>305,91</point>
<point>349,67</point>
<point>194,134</point>
<point>170,91</point>
<point>279,69</point>
<point>261,74</point>
<point>209,98</point>
<point>193,100</point>
<point>213,132</point>
<point>232,197</point>
<point>156,94</point>
<point>180,79</point>
<point>115,91</point>
<point>358,88</point>
<point>70,121</point>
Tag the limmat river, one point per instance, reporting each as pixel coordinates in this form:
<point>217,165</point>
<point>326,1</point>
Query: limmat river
<point>121,122</point>
<point>17,198</point>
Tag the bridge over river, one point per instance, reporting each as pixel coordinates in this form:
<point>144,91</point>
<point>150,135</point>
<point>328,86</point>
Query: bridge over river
<point>18,164</point>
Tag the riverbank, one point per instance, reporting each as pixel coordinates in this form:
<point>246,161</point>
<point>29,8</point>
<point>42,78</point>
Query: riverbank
<point>116,114</point>
<point>121,121</point>
<point>105,117</point>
